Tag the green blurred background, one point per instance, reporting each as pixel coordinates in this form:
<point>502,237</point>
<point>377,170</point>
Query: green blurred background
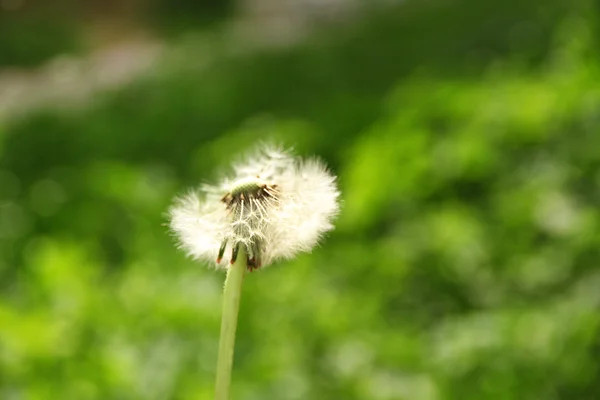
<point>466,138</point>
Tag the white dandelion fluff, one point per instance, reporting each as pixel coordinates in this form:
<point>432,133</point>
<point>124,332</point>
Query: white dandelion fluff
<point>274,206</point>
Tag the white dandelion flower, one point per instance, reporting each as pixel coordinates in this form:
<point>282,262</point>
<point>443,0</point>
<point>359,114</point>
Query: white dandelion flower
<point>274,205</point>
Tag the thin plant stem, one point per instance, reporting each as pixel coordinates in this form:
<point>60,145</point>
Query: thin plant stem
<point>231,305</point>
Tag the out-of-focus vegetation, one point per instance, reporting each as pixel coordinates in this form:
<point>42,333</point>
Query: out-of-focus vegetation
<point>464,265</point>
<point>176,16</point>
<point>29,39</point>
<point>33,31</point>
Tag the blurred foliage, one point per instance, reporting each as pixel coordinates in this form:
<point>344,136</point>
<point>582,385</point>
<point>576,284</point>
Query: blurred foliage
<point>28,40</point>
<point>32,32</point>
<point>463,265</point>
<point>175,16</point>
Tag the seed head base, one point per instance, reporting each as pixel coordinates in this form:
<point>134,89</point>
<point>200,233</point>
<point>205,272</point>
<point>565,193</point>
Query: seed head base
<point>247,205</point>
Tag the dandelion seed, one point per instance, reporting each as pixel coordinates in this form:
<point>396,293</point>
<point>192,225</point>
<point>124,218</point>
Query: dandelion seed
<point>274,206</point>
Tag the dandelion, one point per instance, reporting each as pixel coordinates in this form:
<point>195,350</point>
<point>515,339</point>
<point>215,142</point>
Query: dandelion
<point>272,207</point>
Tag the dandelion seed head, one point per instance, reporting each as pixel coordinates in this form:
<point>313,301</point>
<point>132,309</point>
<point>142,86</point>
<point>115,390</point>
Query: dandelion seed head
<point>273,205</point>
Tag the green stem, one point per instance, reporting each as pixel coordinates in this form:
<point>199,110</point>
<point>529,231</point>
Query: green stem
<point>231,305</point>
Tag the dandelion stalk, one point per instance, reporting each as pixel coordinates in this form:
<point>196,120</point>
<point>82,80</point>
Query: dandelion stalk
<point>231,305</point>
